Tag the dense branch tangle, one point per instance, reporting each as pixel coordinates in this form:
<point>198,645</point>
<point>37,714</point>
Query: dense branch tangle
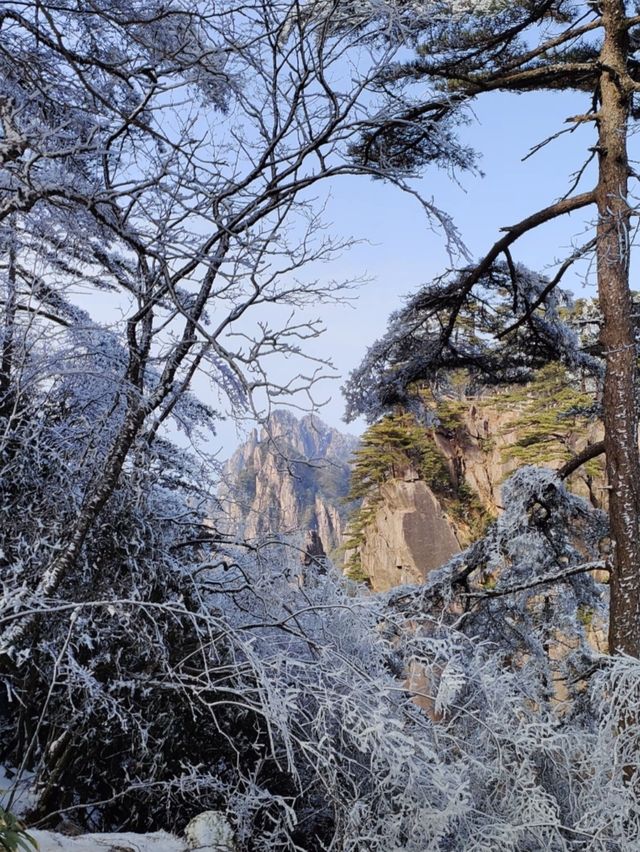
<point>166,163</point>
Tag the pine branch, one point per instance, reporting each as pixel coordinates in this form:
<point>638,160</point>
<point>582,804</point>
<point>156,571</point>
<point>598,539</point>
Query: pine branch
<point>590,452</point>
<point>598,565</point>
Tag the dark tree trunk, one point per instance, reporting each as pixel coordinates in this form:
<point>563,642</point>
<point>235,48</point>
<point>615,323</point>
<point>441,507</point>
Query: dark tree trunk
<point>617,336</point>
<point>9,310</point>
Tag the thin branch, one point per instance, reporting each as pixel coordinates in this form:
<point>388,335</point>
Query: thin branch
<point>584,568</point>
<point>548,289</point>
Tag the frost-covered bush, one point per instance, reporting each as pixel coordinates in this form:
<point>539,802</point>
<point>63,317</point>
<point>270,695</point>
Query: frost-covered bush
<point>202,675</point>
<point>502,651</point>
<point>172,672</point>
<point>169,673</point>
<point>80,707</point>
<point>529,586</point>
<point>536,777</point>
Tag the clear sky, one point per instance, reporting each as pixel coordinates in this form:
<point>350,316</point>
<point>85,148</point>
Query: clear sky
<point>402,252</point>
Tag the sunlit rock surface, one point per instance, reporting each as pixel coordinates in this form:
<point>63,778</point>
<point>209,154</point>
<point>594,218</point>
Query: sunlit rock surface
<point>408,536</point>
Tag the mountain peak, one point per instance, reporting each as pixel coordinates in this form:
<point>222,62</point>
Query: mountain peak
<point>290,476</point>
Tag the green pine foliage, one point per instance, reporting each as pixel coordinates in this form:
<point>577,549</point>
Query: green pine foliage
<point>552,411</point>
<point>13,836</point>
<point>389,448</point>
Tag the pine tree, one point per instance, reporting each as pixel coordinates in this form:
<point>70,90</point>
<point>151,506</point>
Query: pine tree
<point>463,51</point>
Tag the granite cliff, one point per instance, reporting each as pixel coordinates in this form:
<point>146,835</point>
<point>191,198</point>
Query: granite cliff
<point>294,477</point>
<point>401,502</point>
<point>408,535</point>
<point>428,492</point>
<point>291,476</point>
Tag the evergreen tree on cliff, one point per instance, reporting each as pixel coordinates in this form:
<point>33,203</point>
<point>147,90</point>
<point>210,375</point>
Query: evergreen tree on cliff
<point>461,51</point>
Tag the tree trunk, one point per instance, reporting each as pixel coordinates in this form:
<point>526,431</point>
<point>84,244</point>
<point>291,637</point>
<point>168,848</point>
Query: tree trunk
<point>617,336</point>
<point>55,573</point>
<point>6,360</point>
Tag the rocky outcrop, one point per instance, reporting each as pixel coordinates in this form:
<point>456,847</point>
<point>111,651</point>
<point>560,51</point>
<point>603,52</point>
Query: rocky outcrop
<point>290,476</point>
<point>476,450</point>
<point>293,476</point>
<point>329,521</point>
<point>475,444</point>
<point>408,536</point>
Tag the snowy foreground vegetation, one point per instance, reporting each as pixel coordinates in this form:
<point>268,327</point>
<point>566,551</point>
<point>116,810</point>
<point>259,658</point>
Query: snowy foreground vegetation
<point>197,675</point>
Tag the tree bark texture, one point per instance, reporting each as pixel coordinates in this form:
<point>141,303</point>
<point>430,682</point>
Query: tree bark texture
<point>617,335</point>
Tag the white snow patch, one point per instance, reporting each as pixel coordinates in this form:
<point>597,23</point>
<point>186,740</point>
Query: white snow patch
<point>208,832</point>
<point>159,841</point>
<point>23,797</point>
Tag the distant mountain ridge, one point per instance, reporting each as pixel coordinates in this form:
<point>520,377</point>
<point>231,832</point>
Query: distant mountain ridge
<point>290,476</point>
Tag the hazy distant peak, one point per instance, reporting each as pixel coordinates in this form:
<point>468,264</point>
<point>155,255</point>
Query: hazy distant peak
<point>292,474</point>
<point>307,437</point>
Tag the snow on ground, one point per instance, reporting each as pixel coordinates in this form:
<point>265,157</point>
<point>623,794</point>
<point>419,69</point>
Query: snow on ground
<point>160,841</point>
<point>210,830</point>
<point>23,797</point>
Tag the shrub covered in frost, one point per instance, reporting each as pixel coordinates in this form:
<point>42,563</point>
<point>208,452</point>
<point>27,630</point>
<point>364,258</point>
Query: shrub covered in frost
<point>211,676</point>
<point>173,673</point>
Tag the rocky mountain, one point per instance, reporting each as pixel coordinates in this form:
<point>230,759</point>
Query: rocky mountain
<point>290,476</point>
<point>428,492</point>
<point>398,504</point>
<point>294,477</point>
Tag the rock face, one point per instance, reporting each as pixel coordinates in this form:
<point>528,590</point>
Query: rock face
<point>406,529</point>
<point>294,475</point>
<point>475,452</point>
<point>408,536</point>
<point>289,477</point>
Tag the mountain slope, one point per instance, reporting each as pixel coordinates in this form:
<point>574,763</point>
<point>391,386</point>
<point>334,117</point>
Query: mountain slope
<point>290,476</point>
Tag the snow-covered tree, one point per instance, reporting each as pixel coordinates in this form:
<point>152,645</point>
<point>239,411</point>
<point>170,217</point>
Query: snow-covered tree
<point>156,193</point>
<point>446,327</point>
<point>159,160</point>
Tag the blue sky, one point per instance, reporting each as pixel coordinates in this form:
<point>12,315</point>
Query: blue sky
<point>402,252</point>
